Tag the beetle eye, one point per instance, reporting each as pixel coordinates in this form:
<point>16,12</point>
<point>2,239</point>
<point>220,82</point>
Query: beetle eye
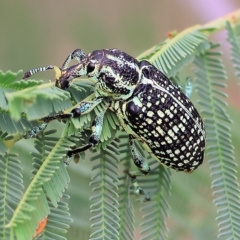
<point>90,67</point>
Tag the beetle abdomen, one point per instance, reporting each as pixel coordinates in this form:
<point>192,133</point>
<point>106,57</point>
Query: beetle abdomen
<point>166,120</point>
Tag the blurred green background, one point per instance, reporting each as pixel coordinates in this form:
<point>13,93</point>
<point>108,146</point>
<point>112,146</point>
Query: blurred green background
<point>38,33</point>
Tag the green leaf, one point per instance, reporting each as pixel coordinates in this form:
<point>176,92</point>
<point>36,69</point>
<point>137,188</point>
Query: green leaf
<point>105,201</point>
<point>10,126</point>
<point>58,221</point>
<point>11,187</point>
<point>176,52</point>
<point>37,101</point>
<point>50,181</point>
<point>3,147</point>
<point>126,207</point>
<point>220,150</point>
<point>234,39</point>
<point>8,83</point>
<point>156,211</point>
<point>158,186</point>
<point>8,79</point>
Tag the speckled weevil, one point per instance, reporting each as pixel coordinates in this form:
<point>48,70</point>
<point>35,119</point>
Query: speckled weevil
<point>150,108</point>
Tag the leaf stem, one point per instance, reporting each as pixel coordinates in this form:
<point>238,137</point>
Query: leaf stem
<point>220,23</point>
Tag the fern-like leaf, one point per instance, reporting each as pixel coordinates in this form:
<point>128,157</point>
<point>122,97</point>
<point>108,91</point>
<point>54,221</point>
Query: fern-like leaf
<point>176,52</point>
<point>10,126</point>
<point>105,202</point>
<point>126,208</point>
<point>37,101</point>
<point>156,211</point>
<point>3,145</point>
<point>11,186</point>
<point>46,183</point>
<point>80,89</point>
<point>110,124</point>
<point>9,81</point>
<point>210,75</point>
<point>58,221</point>
<point>8,84</point>
<point>158,186</point>
<point>234,40</point>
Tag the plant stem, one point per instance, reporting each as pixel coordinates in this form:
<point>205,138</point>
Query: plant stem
<point>220,23</point>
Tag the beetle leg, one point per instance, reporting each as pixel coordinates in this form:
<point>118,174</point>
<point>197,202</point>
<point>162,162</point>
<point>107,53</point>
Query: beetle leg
<point>77,54</point>
<point>138,159</point>
<point>137,189</point>
<point>35,131</point>
<point>93,140</point>
<point>142,165</point>
<point>83,108</point>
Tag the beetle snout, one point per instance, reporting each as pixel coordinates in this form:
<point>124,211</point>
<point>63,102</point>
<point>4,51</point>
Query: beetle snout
<point>68,75</point>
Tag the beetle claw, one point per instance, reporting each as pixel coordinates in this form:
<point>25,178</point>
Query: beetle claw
<point>67,161</point>
<point>136,188</point>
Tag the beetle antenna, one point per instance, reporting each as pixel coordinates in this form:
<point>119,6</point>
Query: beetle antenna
<point>35,70</point>
<point>77,54</point>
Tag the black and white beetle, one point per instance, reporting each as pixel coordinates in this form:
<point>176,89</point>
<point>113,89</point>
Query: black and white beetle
<point>150,108</point>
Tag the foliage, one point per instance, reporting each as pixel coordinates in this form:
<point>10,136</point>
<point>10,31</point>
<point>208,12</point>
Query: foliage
<point>225,187</point>
<point>113,211</point>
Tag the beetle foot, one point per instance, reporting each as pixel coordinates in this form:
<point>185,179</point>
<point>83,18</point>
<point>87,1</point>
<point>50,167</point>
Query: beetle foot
<point>67,161</point>
<point>33,133</point>
<point>136,188</point>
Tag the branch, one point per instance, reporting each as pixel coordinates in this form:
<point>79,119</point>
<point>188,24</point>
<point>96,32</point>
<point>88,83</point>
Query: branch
<point>220,23</point>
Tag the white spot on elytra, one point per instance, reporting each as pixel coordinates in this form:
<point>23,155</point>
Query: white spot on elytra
<point>169,151</point>
<point>159,121</point>
<point>150,113</point>
<point>168,139</point>
<point>195,163</point>
<point>175,129</point>
<point>177,151</point>
<point>160,113</point>
<point>183,148</point>
<point>149,121</point>
<point>160,130</point>
<point>149,104</point>
<point>171,133</point>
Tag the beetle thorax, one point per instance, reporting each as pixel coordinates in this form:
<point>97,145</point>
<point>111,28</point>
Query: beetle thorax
<point>118,75</point>
<point>115,87</point>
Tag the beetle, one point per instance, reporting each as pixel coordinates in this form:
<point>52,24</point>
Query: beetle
<point>150,108</point>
